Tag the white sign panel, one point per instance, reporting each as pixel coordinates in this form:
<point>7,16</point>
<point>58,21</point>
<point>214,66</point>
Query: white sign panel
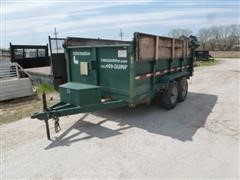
<point>122,53</point>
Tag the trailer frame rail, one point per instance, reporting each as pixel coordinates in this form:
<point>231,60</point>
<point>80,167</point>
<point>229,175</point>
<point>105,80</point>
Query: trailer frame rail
<point>64,109</point>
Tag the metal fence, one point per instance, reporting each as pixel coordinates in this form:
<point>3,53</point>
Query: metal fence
<point>14,82</point>
<point>11,71</point>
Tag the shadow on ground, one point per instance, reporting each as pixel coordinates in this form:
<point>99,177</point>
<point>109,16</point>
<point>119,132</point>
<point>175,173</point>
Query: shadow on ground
<point>180,123</point>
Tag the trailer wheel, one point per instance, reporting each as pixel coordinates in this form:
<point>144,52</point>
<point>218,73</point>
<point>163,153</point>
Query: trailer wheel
<point>183,89</point>
<point>170,96</point>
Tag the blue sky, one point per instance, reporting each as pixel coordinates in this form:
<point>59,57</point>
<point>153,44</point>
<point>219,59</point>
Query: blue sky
<point>30,22</point>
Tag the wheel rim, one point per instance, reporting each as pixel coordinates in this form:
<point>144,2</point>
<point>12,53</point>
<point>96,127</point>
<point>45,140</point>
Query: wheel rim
<point>184,88</point>
<point>174,95</point>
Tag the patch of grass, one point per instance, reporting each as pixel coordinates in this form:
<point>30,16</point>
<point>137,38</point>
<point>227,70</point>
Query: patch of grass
<point>208,62</point>
<point>44,88</point>
<point>16,109</point>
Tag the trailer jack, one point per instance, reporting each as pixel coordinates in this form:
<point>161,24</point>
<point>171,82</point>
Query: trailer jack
<point>54,117</point>
<point>47,129</point>
<point>57,127</point>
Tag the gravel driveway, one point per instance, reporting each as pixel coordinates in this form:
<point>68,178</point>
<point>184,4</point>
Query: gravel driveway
<point>199,138</point>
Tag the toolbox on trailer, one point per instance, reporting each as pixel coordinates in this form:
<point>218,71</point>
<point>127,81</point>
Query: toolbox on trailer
<point>79,94</point>
<point>104,74</point>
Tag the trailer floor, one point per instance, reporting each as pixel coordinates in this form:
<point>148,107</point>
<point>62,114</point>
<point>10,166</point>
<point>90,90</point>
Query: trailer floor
<point>46,70</point>
<point>198,139</point>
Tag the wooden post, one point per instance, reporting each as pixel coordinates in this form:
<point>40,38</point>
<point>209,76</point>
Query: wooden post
<point>173,48</point>
<point>184,49</point>
<point>156,47</point>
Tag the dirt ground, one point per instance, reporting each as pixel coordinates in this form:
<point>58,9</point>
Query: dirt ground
<point>197,139</point>
<point>15,109</point>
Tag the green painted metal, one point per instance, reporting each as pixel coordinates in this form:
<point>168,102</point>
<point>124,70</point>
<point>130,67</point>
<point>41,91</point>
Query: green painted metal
<point>116,72</point>
<point>64,109</point>
<point>79,94</point>
<point>165,80</point>
<point>76,57</point>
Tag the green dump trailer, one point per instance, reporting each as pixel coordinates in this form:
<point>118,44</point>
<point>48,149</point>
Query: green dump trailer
<point>105,74</point>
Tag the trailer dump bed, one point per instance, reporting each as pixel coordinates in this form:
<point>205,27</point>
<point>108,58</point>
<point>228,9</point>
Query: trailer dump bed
<point>132,71</point>
<point>107,73</point>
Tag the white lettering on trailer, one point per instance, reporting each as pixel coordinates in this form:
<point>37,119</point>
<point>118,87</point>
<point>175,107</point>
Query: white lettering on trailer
<point>120,66</point>
<point>124,61</point>
<point>112,63</point>
<point>114,66</point>
<point>81,53</point>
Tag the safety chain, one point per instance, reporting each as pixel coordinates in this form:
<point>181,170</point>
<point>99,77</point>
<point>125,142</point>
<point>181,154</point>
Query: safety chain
<point>56,124</point>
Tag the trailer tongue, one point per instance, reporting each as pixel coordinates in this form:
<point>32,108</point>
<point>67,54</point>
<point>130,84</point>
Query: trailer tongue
<point>105,74</point>
<point>64,109</point>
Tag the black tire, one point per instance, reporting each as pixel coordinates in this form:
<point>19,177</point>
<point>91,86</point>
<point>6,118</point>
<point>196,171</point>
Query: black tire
<point>170,96</point>
<point>183,89</point>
